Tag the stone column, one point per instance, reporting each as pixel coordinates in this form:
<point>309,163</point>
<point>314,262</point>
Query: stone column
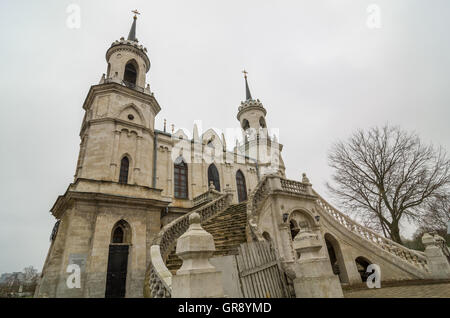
<point>196,278</point>
<point>437,257</point>
<point>115,147</point>
<point>313,275</point>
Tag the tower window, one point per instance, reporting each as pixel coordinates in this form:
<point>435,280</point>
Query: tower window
<point>124,167</point>
<point>245,124</point>
<point>180,179</point>
<point>130,117</point>
<point>262,122</point>
<point>130,75</point>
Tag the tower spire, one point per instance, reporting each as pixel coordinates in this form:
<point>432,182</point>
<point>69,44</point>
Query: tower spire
<point>132,34</point>
<point>248,95</point>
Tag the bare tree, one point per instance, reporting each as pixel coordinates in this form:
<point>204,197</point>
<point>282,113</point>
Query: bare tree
<point>386,174</point>
<point>30,273</point>
<point>437,214</point>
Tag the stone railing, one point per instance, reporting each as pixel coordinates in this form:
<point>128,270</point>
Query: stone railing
<point>294,186</point>
<point>415,258</point>
<point>158,279</point>
<point>208,196</point>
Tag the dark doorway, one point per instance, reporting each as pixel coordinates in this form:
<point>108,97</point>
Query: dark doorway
<point>213,175</point>
<point>117,271</point>
<point>333,258</point>
<point>362,264</point>
<point>241,186</point>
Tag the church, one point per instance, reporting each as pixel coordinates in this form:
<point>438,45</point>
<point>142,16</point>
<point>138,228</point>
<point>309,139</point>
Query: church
<point>136,188</point>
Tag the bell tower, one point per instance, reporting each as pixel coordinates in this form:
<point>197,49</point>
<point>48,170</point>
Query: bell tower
<point>258,145</point>
<point>118,128</point>
<point>108,216</point>
<point>252,114</point>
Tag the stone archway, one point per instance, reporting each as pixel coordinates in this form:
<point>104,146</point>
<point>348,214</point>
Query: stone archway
<point>336,258</point>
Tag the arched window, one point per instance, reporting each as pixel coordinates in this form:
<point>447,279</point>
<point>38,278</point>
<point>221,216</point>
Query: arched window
<point>262,122</point>
<point>121,233</point>
<point>245,124</point>
<point>124,167</point>
<point>213,175</point>
<point>180,178</point>
<point>118,235</point>
<point>241,186</point>
<point>130,75</point>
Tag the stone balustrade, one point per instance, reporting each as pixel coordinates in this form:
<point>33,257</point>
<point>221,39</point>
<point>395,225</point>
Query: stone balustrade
<point>416,258</point>
<point>206,197</point>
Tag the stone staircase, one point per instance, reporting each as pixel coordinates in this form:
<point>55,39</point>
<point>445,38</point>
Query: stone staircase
<point>228,230</point>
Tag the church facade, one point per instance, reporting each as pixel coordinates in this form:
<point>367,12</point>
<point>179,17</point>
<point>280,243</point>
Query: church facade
<point>132,178</point>
<point>135,187</point>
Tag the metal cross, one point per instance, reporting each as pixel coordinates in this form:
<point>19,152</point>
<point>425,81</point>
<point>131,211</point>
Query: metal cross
<point>136,12</point>
<point>245,73</point>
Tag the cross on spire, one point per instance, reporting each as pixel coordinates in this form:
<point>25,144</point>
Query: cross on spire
<point>248,95</point>
<point>132,34</point>
<point>136,13</point>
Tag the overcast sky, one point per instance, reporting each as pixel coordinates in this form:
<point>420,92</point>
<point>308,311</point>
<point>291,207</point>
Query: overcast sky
<point>319,70</point>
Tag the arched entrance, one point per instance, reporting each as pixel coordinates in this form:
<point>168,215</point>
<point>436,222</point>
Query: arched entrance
<point>336,258</point>
<point>213,175</point>
<point>241,186</point>
<point>118,260</point>
<point>361,264</point>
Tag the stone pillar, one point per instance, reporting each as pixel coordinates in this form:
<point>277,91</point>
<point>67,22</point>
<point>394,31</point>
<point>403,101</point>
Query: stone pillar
<point>313,275</point>
<point>196,278</point>
<point>437,256</point>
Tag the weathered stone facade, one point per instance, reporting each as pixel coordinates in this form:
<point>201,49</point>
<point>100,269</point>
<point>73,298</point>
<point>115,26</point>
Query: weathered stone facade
<point>120,123</point>
<point>135,188</point>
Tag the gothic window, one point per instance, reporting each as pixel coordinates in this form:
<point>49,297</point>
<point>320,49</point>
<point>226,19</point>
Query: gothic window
<point>124,167</point>
<point>121,233</point>
<point>241,186</point>
<point>130,75</point>
<point>180,179</point>
<point>213,175</point>
<point>118,235</point>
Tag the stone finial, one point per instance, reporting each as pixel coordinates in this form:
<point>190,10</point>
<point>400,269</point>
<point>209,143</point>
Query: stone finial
<point>194,218</point>
<point>211,186</point>
<point>196,278</point>
<point>428,240</point>
<point>305,178</point>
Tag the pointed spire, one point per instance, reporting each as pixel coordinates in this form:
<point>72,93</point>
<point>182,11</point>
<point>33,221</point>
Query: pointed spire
<point>132,34</point>
<point>248,95</point>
